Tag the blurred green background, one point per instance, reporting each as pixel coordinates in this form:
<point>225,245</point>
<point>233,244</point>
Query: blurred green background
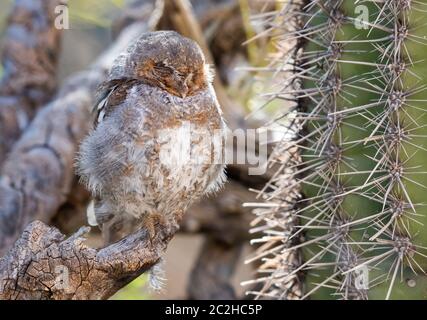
<point>89,33</point>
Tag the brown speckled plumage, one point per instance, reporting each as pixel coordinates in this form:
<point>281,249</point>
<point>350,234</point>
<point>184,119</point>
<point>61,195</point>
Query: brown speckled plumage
<point>157,91</point>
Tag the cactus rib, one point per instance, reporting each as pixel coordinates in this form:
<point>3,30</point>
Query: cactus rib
<point>349,217</point>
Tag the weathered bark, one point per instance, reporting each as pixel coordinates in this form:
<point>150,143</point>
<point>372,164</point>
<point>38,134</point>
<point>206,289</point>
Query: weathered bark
<point>30,58</point>
<point>38,175</point>
<point>39,172</point>
<point>44,265</point>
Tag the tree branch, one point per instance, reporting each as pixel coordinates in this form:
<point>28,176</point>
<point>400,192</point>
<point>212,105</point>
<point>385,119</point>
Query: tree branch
<point>30,59</point>
<point>44,265</point>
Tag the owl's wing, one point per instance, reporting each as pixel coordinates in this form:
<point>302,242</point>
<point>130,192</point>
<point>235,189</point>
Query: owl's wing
<point>111,94</point>
<point>102,103</point>
<point>113,157</point>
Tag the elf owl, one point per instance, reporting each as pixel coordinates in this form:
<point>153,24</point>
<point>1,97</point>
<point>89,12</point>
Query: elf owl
<point>158,139</point>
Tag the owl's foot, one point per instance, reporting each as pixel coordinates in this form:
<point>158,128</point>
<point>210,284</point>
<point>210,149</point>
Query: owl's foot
<point>153,223</point>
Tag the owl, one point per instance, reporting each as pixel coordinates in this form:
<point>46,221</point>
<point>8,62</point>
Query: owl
<point>158,139</point>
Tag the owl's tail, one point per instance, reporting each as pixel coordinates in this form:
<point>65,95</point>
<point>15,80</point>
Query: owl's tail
<point>109,226</point>
<point>156,277</point>
<point>92,221</point>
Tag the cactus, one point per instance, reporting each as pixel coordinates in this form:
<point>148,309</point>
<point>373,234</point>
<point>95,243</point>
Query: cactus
<point>345,216</point>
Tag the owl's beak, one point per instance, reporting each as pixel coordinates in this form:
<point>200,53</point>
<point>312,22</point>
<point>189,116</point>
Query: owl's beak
<point>184,87</point>
<point>183,90</point>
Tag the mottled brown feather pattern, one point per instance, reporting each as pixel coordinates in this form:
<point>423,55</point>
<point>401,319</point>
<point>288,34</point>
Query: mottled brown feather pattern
<point>156,90</point>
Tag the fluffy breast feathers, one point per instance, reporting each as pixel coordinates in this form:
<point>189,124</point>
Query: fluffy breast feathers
<point>151,152</point>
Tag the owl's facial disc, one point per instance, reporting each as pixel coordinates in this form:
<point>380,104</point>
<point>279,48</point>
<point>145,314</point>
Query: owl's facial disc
<point>171,62</point>
<point>181,82</point>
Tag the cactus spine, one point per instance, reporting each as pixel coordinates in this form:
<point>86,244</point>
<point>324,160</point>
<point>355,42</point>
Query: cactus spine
<point>345,215</point>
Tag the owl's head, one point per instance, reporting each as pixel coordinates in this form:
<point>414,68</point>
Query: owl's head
<point>167,60</point>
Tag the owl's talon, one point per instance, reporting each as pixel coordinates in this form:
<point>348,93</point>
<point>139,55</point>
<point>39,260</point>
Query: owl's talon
<point>151,230</point>
<point>154,222</point>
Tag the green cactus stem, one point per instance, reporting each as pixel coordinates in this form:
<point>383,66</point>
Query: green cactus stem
<point>346,212</point>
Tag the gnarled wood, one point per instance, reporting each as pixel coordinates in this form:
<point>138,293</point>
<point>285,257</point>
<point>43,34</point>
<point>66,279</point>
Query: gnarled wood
<point>43,265</point>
